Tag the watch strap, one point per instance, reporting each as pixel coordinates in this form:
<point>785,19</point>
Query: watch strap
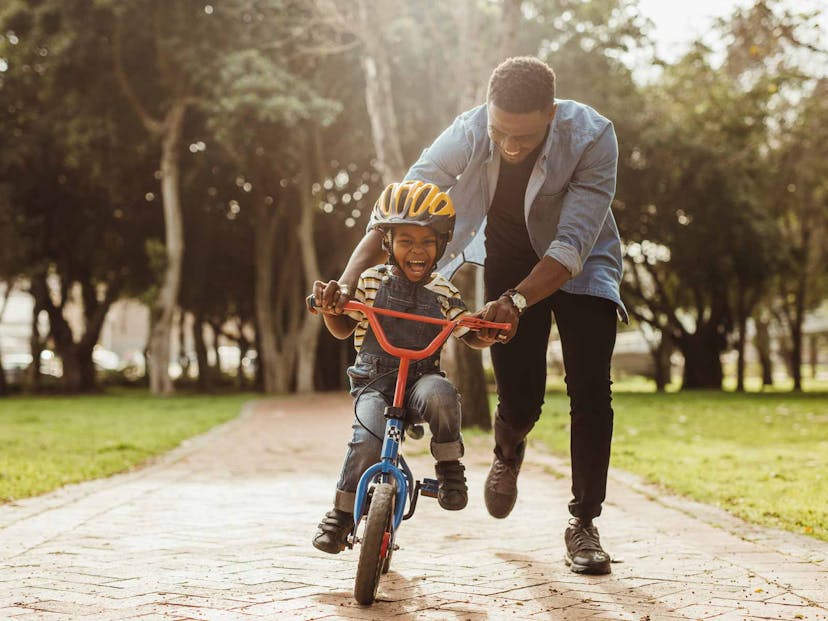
<point>510,293</point>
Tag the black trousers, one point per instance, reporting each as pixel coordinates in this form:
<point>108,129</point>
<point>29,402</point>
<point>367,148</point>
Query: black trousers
<point>587,326</point>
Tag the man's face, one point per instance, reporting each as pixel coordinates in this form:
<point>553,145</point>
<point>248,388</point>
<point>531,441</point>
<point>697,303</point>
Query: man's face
<point>517,134</point>
<point>415,250</point>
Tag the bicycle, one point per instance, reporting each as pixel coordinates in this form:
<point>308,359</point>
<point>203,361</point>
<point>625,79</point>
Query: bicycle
<point>386,487</point>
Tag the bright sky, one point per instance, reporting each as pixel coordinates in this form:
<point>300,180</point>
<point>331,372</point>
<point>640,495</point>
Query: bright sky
<point>677,23</point>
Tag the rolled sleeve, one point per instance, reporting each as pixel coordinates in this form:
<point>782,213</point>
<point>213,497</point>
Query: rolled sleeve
<point>586,203</point>
<point>567,256</point>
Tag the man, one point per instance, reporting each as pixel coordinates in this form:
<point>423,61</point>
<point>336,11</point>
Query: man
<point>532,180</point>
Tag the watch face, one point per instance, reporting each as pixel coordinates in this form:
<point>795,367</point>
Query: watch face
<point>519,301</point>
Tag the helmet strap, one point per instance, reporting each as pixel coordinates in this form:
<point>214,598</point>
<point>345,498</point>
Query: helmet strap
<point>388,246</point>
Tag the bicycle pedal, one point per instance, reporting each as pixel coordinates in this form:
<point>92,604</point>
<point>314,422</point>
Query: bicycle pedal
<point>429,488</point>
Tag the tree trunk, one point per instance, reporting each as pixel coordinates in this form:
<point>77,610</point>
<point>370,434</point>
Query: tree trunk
<point>164,307</point>
<point>661,361</point>
<point>291,312</point>
<point>796,354</point>
<point>244,347</point>
<point>762,343</point>
<point>378,95</point>
<point>464,365</point>
<point>813,351</point>
<point>741,318</point>
<point>204,370</point>
<point>9,286</point>
<point>702,365</point>
<point>76,356</point>
<point>88,376</point>
<point>264,246</point>
<point>310,324</point>
<point>796,338</point>
<point>216,370</point>
<point>36,344</point>
<point>258,382</point>
<point>306,355</point>
<point>183,357</point>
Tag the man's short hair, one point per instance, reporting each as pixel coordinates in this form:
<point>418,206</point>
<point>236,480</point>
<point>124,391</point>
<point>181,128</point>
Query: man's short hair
<point>522,84</point>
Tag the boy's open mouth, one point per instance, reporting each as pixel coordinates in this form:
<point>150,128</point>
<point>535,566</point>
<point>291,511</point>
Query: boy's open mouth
<point>416,267</point>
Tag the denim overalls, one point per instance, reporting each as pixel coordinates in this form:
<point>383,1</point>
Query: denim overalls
<point>429,396</point>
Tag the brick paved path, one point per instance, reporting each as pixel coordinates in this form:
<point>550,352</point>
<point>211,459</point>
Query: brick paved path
<point>221,529</point>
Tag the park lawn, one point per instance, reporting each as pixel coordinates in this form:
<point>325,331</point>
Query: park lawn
<point>763,457</point>
<point>47,442</point>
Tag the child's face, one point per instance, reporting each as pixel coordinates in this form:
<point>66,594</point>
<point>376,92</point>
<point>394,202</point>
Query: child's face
<point>415,250</point>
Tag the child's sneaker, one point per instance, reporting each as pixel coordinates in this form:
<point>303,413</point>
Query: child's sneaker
<point>452,492</point>
<point>332,535</point>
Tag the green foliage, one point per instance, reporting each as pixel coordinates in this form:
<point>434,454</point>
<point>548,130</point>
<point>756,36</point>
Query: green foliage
<point>49,442</point>
<point>721,195</point>
<point>699,198</point>
<point>760,456</point>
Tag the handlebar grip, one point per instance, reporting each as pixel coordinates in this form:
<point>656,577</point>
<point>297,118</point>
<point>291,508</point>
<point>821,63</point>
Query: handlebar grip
<point>310,302</point>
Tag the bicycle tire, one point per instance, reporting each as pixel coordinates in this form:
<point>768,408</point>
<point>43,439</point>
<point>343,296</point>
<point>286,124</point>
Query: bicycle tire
<point>375,545</point>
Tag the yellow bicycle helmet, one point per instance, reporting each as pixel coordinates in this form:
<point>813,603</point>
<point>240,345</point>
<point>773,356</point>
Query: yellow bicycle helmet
<point>414,202</point>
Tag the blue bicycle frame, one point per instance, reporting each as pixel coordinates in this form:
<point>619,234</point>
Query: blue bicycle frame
<point>388,467</point>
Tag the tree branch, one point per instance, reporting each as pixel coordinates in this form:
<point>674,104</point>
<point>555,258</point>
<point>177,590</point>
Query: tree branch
<point>663,302</point>
<point>153,125</point>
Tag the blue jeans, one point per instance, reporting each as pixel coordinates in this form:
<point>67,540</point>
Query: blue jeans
<point>431,398</point>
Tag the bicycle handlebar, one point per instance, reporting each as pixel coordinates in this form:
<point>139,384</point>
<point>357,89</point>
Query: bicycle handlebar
<point>473,323</point>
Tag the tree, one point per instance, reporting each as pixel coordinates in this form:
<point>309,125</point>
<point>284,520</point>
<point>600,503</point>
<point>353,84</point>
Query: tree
<point>801,207</point>
<point>218,269</point>
<point>73,235</point>
<point>784,49</point>
<point>272,116</point>
<point>175,90</point>
<point>700,171</point>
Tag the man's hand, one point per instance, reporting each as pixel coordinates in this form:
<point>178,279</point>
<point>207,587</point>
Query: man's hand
<point>500,310</point>
<point>331,296</point>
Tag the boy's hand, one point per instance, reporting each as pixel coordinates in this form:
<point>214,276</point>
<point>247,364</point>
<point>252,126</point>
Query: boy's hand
<point>331,296</point>
<point>500,310</point>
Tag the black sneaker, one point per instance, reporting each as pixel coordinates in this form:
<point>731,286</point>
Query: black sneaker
<point>584,553</point>
<point>332,535</point>
<point>500,490</point>
<point>452,493</point>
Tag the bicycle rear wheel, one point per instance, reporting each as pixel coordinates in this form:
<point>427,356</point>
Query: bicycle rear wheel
<point>376,544</point>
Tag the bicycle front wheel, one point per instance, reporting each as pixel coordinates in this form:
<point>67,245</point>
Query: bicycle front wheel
<point>376,544</point>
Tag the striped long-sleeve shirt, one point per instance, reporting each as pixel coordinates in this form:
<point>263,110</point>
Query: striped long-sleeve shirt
<point>370,280</point>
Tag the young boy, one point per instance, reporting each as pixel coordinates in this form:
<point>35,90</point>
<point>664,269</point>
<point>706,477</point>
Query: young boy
<point>417,221</point>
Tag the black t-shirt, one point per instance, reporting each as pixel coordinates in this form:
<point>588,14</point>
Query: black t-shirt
<point>507,240</point>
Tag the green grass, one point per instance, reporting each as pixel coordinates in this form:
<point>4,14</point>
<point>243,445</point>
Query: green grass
<point>47,442</point>
<point>763,457</point>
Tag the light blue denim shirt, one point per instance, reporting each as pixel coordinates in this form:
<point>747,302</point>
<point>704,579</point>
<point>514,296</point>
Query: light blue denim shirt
<point>568,197</point>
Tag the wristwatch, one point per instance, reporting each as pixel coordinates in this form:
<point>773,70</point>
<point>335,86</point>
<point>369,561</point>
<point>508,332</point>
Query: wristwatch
<point>518,300</point>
